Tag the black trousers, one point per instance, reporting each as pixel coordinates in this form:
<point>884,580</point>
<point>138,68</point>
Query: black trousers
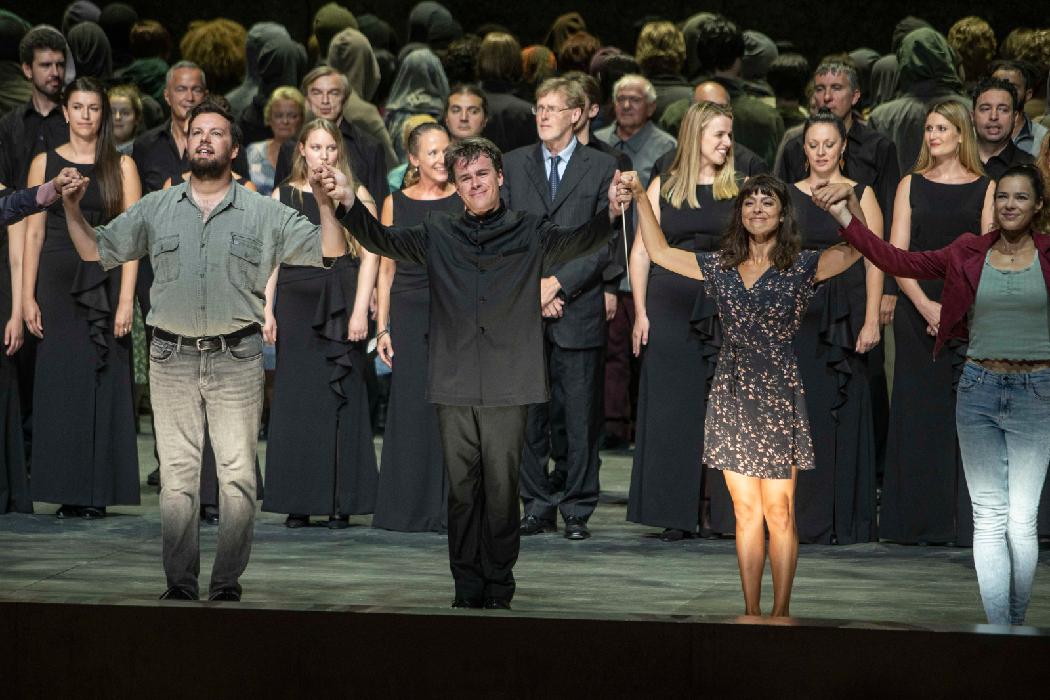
<point>482,447</point>
<point>565,430</point>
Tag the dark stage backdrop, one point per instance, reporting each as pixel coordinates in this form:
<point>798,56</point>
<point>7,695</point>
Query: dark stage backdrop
<point>816,27</point>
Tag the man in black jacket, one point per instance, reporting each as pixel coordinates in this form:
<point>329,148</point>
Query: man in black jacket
<point>567,182</point>
<point>485,362</point>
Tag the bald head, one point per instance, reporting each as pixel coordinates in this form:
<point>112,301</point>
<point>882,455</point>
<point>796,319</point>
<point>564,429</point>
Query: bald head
<point>710,91</point>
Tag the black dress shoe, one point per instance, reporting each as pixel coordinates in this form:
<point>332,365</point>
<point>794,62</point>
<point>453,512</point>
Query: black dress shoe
<point>210,515</point>
<point>225,594</point>
<point>675,535</point>
<point>153,479</point>
<point>338,522</point>
<point>295,520</point>
<point>92,513</point>
<point>576,529</point>
<point>176,593</point>
<point>531,525</point>
<point>68,512</point>
<point>497,604</point>
<point>464,603</point>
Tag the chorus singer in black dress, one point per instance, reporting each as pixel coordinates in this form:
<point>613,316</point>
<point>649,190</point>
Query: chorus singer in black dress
<point>485,354</point>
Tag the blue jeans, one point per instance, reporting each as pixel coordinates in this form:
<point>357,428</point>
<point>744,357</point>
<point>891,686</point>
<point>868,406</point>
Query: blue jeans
<point>223,388</point>
<point>1003,422</point>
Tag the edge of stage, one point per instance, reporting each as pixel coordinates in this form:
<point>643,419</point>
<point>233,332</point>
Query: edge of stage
<point>239,650</point>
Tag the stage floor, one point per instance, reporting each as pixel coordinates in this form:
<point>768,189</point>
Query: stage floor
<point>623,570</point>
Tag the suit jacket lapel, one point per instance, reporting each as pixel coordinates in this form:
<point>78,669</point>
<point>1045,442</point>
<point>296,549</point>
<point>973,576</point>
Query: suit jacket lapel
<point>537,174</point>
<point>578,166</point>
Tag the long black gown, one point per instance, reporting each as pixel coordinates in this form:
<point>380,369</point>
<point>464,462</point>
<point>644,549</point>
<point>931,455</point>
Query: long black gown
<point>924,496</point>
<point>14,483</point>
<point>320,459</point>
<point>836,501</point>
<point>84,446</point>
<point>413,487</point>
<point>676,371</point>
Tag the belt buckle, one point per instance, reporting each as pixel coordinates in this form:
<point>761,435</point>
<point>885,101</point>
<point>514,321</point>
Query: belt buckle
<point>199,342</point>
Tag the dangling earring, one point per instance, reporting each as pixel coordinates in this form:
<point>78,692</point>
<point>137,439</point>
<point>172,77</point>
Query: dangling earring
<point>805,166</point>
<point>842,162</point>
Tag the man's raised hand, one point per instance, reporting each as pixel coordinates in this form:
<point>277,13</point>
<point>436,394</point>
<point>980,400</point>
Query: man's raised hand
<point>337,186</point>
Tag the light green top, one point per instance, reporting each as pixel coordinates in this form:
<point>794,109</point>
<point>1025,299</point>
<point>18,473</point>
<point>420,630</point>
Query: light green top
<point>1010,317</point>
<point>210,276</point>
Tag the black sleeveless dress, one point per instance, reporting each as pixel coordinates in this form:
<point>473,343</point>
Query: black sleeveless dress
<point>924,495</point>
<point>84,447</point>
<point>676,370</point>
<point>320,459</point>
<point>835,502</point>
<point>14,482</point>
<point>412,483</point>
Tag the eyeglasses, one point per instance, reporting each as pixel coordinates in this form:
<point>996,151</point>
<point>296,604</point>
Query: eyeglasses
<point>547,109</point>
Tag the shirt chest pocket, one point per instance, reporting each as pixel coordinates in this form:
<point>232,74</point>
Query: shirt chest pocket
<point>245,255</point>
<point>166,263</point>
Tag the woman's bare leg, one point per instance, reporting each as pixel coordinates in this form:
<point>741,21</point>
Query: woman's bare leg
<point>750,537</point>
<point>778,508</point>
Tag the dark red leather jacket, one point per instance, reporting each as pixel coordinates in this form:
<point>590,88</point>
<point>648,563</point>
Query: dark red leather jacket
<point>958,264</point>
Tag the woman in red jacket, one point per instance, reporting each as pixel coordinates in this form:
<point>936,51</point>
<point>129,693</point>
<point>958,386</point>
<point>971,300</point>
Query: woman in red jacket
<point>995,295</point>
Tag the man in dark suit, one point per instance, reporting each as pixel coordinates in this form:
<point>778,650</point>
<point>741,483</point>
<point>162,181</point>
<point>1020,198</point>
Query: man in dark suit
<point>566,182</point>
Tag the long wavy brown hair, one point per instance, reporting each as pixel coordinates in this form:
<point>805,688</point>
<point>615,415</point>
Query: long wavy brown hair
<point>736,241</point>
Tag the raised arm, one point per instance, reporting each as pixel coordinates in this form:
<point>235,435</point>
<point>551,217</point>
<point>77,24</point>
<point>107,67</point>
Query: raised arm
<point>914,265</point>
<point>839,258</point>
<point>680,261</point>
<point>407,244</point>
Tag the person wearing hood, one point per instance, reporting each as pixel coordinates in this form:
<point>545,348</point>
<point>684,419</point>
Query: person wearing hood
<point>328,22</point>
<point>77,12</point>
<point>864,59</point>
<point>281,62</point>
<point>14,88</point>
<point>351,54</point>
<point>759,53</point>
<point>260,34</point>
<point>886,70</point>
<point>91,52</point>
<point>423,18</point>
<point>116,20</point>
<point>419,88</point>
<point>927,76</point>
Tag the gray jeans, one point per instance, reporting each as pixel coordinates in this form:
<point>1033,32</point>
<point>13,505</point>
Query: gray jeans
<point>223,388</point>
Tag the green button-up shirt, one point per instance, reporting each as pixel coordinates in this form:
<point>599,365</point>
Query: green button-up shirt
<point>210,275</point>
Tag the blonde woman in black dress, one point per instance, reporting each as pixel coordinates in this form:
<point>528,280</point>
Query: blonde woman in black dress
<point>756,430</point>
<point>320,459</point>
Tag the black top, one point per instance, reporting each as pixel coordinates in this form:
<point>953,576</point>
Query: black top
<point>697,230</point>
<point>24,133</point>
<point>485,329</point>
<point>1005,159</point>
<point>411,212</point>
<point>510,122</point>
<point>819,230</point>
<point>367,160</point>
<point>871,159</point>
<point>158,159</point>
